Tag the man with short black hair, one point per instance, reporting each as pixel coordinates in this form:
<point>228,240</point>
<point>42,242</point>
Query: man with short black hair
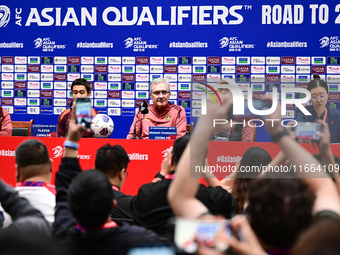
<point>33,175</point>
<point>79,88</point>
<point>83,205</point>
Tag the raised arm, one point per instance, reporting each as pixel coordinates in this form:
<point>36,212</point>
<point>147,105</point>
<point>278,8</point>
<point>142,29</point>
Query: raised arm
<point>182,191</point>
<point>327,197</point>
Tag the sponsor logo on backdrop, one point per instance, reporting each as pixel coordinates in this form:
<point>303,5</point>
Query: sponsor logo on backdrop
<point>20,60</point>
<point>287,60</point>
<point>285,44</point>
<point>137,44</point>
<point>128,77</point>
<point>47,45</point>
<point>6,101</point>
<point>214,60</point>
<point>142,69</point>
<point>243,69</point>
<point>257,69</point>
<point>20,85</point>
<point>302,69</point>
<point>94,45</point>
<point>156,69</point>
<point>184,95</point>
<point>33,110</point>
<point>7,85</point>
<point>184,77</point>
<point>142,60</point>
<point>114,94</point>
<point>60,85</point>
<point>199,77</point>
<point>228,60</point>
<point>73,60</point>
<point>235,44</point>
<point>333,78</point>
<point>7,76</point>
<point>7,68</point>
<point>129,60</point>
<point>115,69</point>
<point>114,103</point>
<point>196,44</point>
<point>143,86</point>
<point>21,68</point>
<point>171,77</point>
<point>100,69</point>
<point>303,60</point>
<point>115,60</point>
<point>114,111</point>
<point>60,60</point>
<point>156,60</point>
<point>258,60</point>
<point>47,77</point>
<point>142,77</point>
<point>20,101</point>
<point>46,93</point>
<point>60,77</point>
<point>128,103</point>
<point>170,69</point>
<point>199,60</point>
<point>7,60</point>
<point>273,60</point>
<point>332,42</point>
<point>33,77</point>
<point>287,78</point>
<point>5,15</point>
<point>170,60</point>
<point>272,78</point>
<point>87,60</point>
<point>100,94</point>
<point>258,78</point>
<point>59,102</point>
<point>333,69</point>
<point>287,69</point>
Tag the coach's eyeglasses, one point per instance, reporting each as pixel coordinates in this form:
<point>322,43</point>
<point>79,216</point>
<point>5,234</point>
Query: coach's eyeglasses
<point>163,92</point>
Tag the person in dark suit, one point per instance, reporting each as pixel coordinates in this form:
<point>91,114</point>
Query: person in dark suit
<point>319,109</point>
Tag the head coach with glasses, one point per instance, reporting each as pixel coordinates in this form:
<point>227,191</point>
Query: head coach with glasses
<point>162,113</point>
<point>319,109</point>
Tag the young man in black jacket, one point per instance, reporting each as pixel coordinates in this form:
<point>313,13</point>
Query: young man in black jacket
<point>83,204</point>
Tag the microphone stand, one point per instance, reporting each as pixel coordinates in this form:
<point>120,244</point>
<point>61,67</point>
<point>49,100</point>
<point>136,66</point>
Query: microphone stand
<point>134,130</point>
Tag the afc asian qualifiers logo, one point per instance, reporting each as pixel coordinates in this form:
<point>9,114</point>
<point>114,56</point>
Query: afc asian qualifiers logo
<point>224,42</point>
<point>324,41</point>
<point>128,42</point>
<point>4,15</point>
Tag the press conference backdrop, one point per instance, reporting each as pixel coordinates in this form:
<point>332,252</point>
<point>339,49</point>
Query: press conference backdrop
<point>120,46</point>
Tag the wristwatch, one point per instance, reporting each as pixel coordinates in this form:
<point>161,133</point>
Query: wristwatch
<point>158,175</point>
<point>276,137</point>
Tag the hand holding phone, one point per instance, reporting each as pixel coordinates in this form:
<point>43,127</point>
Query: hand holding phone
<point>83,111</point>
<point>308,131</point>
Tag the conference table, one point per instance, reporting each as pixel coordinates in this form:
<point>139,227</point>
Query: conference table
<point>145,156</point>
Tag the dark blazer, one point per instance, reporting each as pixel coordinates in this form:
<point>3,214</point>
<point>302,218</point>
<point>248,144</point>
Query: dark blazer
<point>333,120</point>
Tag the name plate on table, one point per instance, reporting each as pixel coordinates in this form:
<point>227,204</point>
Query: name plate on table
<point>163,133</point>
<point>44,130</point>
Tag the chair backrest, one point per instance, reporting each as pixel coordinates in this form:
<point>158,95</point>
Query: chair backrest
<point>22,128</point>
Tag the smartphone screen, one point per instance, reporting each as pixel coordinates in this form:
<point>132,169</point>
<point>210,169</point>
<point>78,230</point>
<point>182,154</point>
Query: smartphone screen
<point>83,111</point>
<point>308,131</point>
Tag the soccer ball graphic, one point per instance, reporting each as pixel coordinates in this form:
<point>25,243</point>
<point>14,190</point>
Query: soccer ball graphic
<point>101,125</point>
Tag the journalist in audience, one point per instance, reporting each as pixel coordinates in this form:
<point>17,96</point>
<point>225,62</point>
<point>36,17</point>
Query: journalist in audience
<point>6,127</point>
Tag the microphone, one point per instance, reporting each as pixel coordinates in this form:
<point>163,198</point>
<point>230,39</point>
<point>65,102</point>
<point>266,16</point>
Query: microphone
<point>144,109</point>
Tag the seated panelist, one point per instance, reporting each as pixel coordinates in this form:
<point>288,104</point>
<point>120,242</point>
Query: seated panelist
<point>162,113</point>
<point>319,109</point>
<point>79,88</point>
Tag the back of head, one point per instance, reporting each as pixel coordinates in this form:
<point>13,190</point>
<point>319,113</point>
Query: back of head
<point>90,198</point>
<point>253,157</point>
<point>280,210</point>
<point>81,81</point>
<point>111,159</point>
<point>31,152</point>
<point>178,148</point>
<point>323,238</point>
<point>317,82</point>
